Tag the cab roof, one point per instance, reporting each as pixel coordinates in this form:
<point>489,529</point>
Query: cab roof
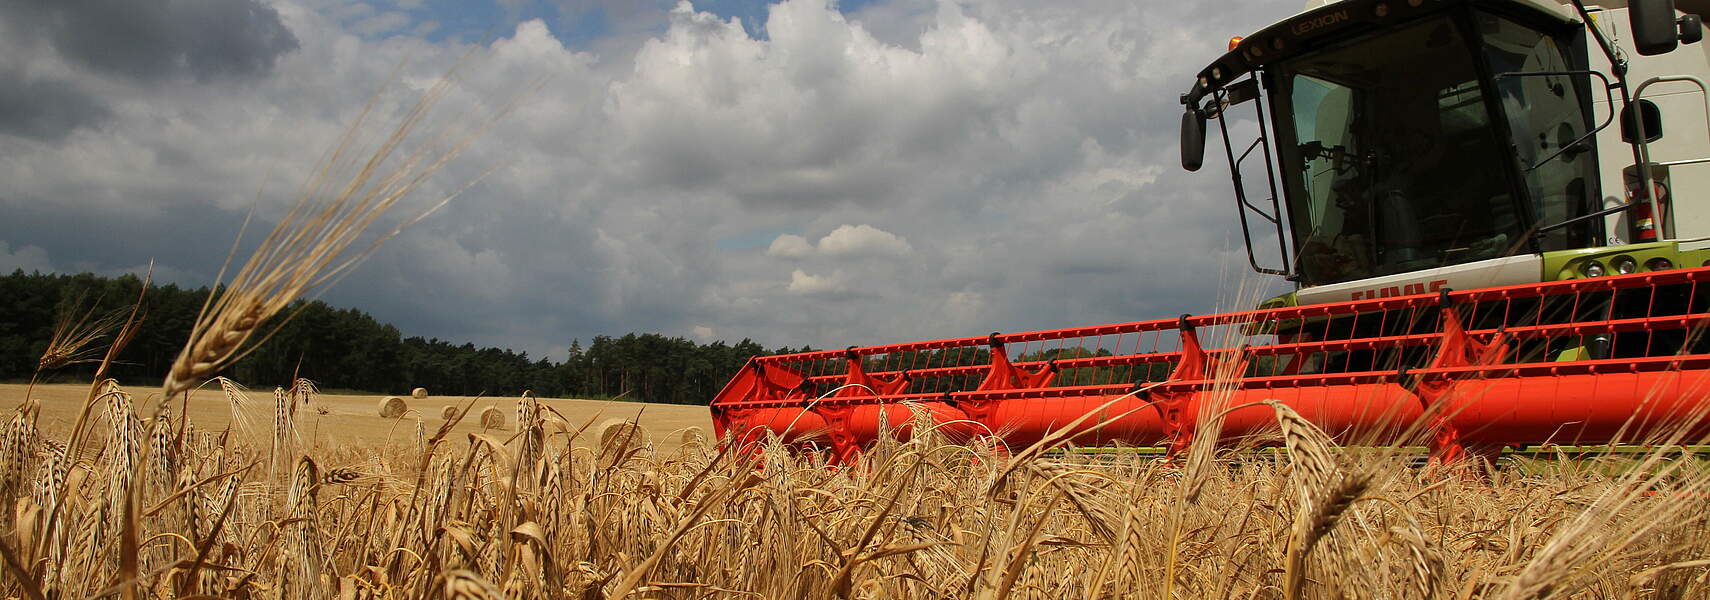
<point>1333,21</point>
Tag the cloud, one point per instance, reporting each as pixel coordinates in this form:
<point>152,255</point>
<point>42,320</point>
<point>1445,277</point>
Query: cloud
<point>790,245</point>
<point>948,168</point>
<point>863,240</point>
<point>45,109</point>
<point>845,241</point>
<point>822,114</point>
<point>816,285</point>
<point>205,39</point>
<point>966,303</point>
<point>28,258</point>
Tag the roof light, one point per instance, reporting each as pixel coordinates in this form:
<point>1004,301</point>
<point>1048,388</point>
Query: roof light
<point>1235,41</point>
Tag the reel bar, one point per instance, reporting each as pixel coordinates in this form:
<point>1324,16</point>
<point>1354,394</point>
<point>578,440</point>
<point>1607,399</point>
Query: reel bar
<point>1519,358</point>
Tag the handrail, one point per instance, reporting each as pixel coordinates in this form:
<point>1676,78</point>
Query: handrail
<point>1663,229</point>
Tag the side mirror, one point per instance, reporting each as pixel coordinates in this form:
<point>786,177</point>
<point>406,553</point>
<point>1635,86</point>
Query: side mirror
<point>1645,113</point>
<point>1193,139</point>
<point>1654,28</point>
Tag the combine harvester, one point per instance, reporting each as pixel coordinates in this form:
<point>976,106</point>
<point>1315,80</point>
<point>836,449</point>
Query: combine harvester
<point>1455,190</point>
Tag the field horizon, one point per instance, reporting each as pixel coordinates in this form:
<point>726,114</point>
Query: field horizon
<point>355,418</point>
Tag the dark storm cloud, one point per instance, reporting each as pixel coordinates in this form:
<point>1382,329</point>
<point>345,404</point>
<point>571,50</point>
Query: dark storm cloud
<point>45,109</point>
<point>205,39</point>
<point>107,240</point>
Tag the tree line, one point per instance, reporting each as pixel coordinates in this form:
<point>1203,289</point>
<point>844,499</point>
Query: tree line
<point>349,349</point>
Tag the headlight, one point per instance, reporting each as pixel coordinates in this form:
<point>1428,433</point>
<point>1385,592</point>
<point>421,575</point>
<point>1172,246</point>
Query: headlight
<point>1592,268</point>
<point>1659,264</point>
<point>1624,264</point>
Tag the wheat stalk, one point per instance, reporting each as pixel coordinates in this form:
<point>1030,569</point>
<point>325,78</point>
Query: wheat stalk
<point>238,402</point>
<point>310,247</point>
<point>283,452</point>
<point>17,445</point>
<point>76,334</point>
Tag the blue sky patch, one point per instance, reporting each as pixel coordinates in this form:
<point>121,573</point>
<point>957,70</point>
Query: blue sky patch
<point>484,19</point>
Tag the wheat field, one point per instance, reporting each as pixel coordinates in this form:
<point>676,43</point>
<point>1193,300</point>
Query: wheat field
<point>350,419</point>
<point>160,506</point>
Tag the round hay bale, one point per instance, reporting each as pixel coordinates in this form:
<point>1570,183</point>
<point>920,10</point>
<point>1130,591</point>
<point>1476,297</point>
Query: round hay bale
<point>492,418</point>
<point>418,393</point>
<point>449,412</point>
<point>617,435</point>
<point>693,436</point>
<point>393,407</point>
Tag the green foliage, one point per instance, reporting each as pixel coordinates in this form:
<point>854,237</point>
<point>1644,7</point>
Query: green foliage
<point>349,349</point>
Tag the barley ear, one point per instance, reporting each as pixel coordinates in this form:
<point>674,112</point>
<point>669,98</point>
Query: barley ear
<point>75,334</point>
<point>311,246</point>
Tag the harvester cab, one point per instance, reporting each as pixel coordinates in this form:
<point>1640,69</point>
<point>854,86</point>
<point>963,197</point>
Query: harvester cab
<point>1405,146</point>
<point>1479,205</point>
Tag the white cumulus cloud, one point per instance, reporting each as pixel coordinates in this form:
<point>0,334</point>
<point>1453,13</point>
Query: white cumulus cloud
<point>790,245</point>
<point>808,284</point>
<point>846,240</point>
<point>863,240</point>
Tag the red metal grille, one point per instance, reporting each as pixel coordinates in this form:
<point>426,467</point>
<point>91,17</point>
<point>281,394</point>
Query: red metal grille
<point>1470,369</point>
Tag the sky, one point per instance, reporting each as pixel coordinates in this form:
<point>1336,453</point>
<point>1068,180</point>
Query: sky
<point>799,172</point>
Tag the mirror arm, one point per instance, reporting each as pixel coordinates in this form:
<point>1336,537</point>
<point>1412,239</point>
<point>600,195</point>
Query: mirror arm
<point>1641,156</point>
<point>1540,231</point>
<point>1617,63</point>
